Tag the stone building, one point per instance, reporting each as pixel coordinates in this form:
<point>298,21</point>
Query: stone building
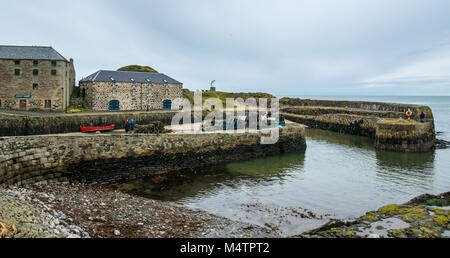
<point>35,78</point>
<point>121,90</point>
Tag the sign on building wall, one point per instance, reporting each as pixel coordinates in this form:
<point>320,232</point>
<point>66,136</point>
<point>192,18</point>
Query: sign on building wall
<point>19,96</point>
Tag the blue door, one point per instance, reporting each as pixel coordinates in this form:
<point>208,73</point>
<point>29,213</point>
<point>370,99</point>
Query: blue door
<point>167,104</point>
<point>114,105</point>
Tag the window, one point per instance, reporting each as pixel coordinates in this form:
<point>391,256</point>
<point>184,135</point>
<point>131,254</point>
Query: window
<point>133,102</point>
<point>48,103</point>
<point>53,72</point>
<point>53,63</point>
<point>35,86</point>
<point>35,72</point>
<point>17,71</point>
<point>17,62</point>
<point>35,62</point>
<point>133,91</point>
<point>114,91</point>
<point>167,89</point>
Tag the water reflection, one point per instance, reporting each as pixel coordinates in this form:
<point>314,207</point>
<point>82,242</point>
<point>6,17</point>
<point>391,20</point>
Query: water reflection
<point>341,139</point>
<point>406,170</point>
<point>201,181</point>
<point>339,176</point>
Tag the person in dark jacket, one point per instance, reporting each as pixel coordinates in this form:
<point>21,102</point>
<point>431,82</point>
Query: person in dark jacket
<point>422,117</point>
<point>132,125</point>
<point>127,126</point>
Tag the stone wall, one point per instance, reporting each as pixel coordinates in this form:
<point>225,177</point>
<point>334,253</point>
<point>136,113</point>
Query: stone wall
<point>341,123</point>
<point>406,136</point>
<point>47,87</point>
<point>16,125</point>
<point>109,158</point>
<point>385,122</point>
<point>373,108</point>
<point>132,96</point>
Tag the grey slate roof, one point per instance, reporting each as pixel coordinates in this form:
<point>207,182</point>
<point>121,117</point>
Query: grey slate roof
<point>123,76</point>
<point>30,53</point>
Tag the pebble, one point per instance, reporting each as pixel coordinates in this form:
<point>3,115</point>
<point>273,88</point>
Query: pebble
<point>116,232</point>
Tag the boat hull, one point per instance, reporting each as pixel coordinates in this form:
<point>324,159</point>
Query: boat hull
<point>86,129</point>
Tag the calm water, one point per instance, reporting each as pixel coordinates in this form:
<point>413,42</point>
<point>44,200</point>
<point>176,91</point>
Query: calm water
<point>338,176</point>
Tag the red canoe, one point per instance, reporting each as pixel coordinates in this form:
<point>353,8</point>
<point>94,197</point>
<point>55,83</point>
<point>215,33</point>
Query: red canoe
<point>86,129</point>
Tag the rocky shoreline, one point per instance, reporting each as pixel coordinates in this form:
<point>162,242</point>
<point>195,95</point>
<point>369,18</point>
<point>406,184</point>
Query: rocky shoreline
<point>85,211</point>
<point>426,216</point>
<point>96,211</point>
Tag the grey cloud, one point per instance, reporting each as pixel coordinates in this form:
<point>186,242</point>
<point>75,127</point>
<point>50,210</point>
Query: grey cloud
<point>283,47</point>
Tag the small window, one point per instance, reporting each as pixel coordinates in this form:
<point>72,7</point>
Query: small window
<point>17,62</point>
<point>133,102</point>
<point>35,86</point>
<point>113,84</point>
<point>53,63</point>
<point>35,62</point>
<point>114,91</point>
<point>35,72</point>
<point>17,71</point>
<point>133,92</point>
<point>48,103</point>
<point>167,92</point>
<point>53,72</point>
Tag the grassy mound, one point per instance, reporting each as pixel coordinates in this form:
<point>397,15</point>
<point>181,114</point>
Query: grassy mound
<point>138,68</point>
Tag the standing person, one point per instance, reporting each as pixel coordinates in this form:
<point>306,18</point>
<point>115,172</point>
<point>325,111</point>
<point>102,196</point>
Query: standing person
<point>282,121</point>
<point>132,125</point>
<point>422,117</point>
<point>127,126</point>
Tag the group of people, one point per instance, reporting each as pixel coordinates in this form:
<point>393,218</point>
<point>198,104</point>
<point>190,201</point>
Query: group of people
<point>130,125</point>
<point>409,114</point>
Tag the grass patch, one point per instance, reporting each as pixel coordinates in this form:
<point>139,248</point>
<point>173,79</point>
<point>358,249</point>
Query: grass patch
<point>137,68</point>
<point>437,202</point>
<point>75,110</point>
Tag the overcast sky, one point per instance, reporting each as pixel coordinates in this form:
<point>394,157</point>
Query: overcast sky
<point>287,48</point>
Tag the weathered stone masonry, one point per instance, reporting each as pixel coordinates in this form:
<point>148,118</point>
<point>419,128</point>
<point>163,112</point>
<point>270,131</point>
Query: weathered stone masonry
<point>18,125</point>
<point>380,121</point>
<point>35,78</point>
<point>129,90</point>
<point>27,160</point>
<point>137,96</point>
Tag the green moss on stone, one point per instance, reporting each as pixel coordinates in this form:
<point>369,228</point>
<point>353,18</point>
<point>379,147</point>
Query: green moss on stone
<point>443,220</point>
<point>350,234</point>
<point>370,216</point>
<point>391,209</point>
<point>400,233</point>
<point>411,217</point>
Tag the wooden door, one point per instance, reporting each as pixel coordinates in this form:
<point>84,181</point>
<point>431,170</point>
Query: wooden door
<point>23,104</point>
